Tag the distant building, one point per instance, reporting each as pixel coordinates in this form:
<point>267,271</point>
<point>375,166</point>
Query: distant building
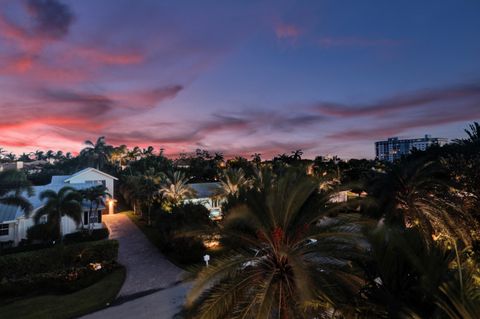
<point>394,148</point>
<point>29,167</point>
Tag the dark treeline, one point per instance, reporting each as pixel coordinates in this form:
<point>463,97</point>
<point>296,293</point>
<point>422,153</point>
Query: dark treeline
<point>403,243</point>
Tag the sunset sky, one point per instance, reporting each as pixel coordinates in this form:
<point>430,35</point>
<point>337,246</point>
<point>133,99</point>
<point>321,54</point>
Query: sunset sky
<point>236,76</point>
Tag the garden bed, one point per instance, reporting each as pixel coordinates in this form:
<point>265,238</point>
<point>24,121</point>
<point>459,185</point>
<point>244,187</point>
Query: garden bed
<point>90,299</point>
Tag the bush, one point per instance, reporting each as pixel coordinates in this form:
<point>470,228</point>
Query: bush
<point>186,250</point>
<point>24,247</point>
<point>63,282</point>
<point>41,232</point>
<point>56,259</point>
<point>84,236</point>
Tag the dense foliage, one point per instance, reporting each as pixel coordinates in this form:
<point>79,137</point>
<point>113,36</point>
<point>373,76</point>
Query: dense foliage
<point>322,238</point>
<point>57,269</point>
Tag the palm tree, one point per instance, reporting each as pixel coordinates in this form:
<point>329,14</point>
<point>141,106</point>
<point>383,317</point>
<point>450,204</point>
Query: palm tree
<point>134,154</point>
<point>175,188</point>
<point>415,193</point>
<point>131,191</point>
<point>148,151</point>
<point>296,155</point>
<point>473,133</point>
<point>403,273</point>
<point>98,152</point>
<point>13,186</point>
<point>257,158</point>
<point>95,195</point>
<point>150,191</point>
<point>231,182</point>
<point>39,155</point>
<point>288,265</point>
<point>67,202</point>
<point>118,156</point>
<point>461,299</point>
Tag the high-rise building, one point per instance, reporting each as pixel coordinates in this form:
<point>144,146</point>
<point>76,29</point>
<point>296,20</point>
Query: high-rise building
<point>394,148</point>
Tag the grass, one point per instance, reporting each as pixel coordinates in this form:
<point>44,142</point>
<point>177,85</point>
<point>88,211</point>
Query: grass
<point>79,303</point>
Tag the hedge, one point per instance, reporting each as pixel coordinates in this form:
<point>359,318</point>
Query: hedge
<point>41,232</point>
<point>58,258</point>
<point>84,236</point>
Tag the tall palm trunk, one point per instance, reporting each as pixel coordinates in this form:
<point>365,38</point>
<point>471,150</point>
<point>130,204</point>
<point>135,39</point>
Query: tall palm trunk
<point>90,218</point>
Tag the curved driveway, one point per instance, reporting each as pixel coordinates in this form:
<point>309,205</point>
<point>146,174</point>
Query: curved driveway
<point>151,288</point>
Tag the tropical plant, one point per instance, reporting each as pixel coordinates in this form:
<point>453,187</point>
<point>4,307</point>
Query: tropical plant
<point>416,193</point>
<point>231,182</point>
<point>460,298</point>
<point>473,133</point>
<point>150,191</point>
<point>96,197</point>
<point>290,263</point>
<point>14,190</point>
<point>118,156</point>
<point>98,153</point>
<point>65,202</point>
<point>175,188</point>
<point>403,273</point>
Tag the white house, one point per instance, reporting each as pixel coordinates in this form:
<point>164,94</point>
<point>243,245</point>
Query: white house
<point>205,194</point>
<point>14,223</point>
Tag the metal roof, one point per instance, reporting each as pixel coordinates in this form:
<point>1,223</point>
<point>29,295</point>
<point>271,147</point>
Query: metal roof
<point>9,213</point>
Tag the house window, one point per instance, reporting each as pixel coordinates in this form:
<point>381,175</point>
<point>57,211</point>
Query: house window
<point>94,217</point>
<point>43,220</point>
<point>4,229</point>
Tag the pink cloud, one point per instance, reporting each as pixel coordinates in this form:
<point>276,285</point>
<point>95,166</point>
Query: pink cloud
<point>287,31</point>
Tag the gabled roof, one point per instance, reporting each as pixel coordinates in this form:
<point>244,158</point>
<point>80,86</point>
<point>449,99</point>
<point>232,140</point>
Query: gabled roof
<point>90,169</point>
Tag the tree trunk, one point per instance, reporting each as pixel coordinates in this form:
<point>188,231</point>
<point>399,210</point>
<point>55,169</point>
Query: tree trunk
<point>96,212</point>
<point>89,218</point>
<point>59,229</point>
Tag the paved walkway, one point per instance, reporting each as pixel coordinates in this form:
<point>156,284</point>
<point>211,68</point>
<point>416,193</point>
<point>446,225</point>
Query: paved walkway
<point>151,288</point>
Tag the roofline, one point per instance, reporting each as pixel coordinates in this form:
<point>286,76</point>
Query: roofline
<point>89,169</point>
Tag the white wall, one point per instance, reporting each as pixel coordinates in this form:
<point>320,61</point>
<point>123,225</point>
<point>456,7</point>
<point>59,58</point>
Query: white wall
<point>94,176</point>
<point>11,232</point>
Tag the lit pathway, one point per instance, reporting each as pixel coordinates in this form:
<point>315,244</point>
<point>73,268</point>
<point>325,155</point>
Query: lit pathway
<point>151,288</point>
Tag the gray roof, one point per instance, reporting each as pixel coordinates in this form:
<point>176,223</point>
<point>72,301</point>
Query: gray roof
<point>60,179</point>
<point>205,190</point>
<point>9,213</point>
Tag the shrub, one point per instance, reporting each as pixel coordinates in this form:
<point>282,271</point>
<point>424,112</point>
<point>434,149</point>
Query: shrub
<point>24,247</point>
<point>58,258</point>
<point>66,281</point>
<point>186,250</point>
<point>84,236</point>
<point>41,232</point>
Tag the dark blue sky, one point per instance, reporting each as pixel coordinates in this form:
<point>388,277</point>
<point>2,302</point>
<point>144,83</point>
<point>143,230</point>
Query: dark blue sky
<point>237,76</point>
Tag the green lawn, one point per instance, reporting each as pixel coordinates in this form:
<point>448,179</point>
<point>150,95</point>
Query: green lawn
<point>79,303</point>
